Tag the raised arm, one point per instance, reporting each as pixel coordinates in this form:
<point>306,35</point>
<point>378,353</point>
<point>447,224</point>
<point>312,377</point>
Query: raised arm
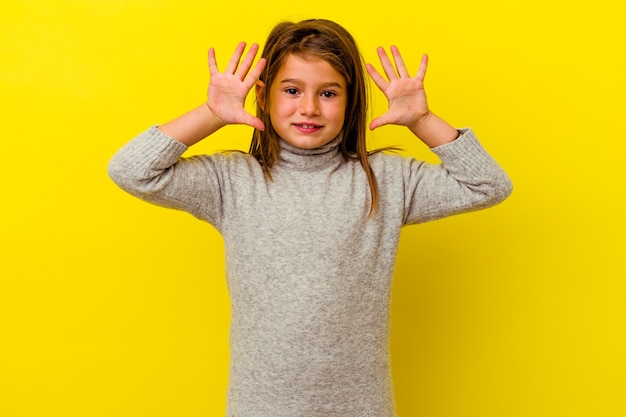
<point>468,178</point>
<point>226,96</point>
<point>408,105</point>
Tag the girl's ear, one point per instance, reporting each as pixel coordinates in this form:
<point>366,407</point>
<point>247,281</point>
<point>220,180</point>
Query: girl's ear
<point>260,93</point>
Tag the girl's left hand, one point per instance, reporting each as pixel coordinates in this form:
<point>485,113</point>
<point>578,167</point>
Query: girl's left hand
<point>406,95</point>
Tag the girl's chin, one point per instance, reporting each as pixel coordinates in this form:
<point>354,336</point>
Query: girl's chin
<point>307,144</point>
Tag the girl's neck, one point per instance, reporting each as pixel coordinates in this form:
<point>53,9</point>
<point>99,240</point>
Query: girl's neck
<point>310,159</point>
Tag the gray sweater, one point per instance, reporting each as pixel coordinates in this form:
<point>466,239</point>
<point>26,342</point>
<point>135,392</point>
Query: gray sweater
<point>309,275</point>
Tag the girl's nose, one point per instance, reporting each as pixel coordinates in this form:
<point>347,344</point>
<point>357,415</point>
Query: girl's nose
<point>309,105</point>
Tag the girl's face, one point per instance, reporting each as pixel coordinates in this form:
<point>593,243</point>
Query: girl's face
<point>307,102</point>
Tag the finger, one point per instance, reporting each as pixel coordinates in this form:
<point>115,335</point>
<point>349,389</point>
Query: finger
<point>250,120</point>
<point>245,65</point>
<point>390,71</point>
<point>379,121</point>
<point>257,124</point>
<point>400,66</point>
<point>421,72</point>
<point>233,63</point>
<point>254,75</point>
<point>212,62</point>
<point>378,79</point>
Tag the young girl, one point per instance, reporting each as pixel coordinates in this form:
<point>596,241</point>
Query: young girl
<point>310,219</point>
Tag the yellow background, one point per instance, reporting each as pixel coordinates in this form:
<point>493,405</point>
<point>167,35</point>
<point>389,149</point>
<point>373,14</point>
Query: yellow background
<point>112,307</point>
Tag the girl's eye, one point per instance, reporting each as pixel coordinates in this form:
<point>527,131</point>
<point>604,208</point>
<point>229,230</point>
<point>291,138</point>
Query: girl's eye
<point>291,91</point>
<point>328,94</point>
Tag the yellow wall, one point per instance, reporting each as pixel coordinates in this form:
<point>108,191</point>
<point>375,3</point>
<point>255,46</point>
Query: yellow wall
<point>112,307</point>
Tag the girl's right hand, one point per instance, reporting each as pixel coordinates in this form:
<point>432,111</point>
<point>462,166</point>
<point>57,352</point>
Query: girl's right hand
<point>228,90</point>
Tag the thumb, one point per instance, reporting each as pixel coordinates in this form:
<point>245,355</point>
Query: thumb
<point>252,121</point>
<point>257,123</point>
<point>379,121</point>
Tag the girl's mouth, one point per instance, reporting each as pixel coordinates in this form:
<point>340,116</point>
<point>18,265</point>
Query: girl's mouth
<point>307,127</point>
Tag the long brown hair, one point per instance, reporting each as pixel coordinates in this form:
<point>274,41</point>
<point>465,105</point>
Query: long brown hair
<point>327,40</point>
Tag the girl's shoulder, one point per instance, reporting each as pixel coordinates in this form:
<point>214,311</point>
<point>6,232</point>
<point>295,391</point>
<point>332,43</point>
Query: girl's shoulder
<point>230,160</point>
<point>389,159</point>
<point>392,167</point>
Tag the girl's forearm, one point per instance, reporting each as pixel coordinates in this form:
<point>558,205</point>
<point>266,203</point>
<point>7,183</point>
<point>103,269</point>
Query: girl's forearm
<point>193,126</point>
<point>434,131</point>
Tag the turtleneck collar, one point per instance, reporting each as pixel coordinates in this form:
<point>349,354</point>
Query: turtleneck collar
<point>310,159</point>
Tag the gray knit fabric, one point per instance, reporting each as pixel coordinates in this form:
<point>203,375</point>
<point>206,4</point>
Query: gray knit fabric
<point>309,275</point>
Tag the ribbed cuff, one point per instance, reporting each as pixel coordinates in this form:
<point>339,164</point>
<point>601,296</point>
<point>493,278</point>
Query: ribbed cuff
<point>467,153</point>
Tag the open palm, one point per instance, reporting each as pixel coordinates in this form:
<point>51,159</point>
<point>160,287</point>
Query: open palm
<point>228,90</point>
<point>405,94</point>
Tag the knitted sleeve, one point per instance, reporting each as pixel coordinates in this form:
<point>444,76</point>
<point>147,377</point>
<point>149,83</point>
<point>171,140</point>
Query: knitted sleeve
<point>150,167</point>
<point>467,179</point>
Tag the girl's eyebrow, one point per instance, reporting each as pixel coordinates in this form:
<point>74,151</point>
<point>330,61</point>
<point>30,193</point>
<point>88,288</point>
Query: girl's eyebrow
<point>299,81</point>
